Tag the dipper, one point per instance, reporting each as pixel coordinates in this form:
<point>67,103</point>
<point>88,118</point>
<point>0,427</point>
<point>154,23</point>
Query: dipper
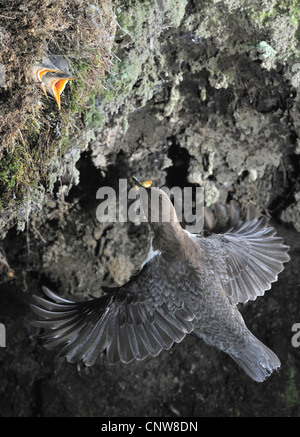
<point>192,283</point>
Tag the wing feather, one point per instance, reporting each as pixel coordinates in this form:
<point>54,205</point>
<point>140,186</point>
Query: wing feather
<point>128,323</point>
<point>248,257</point>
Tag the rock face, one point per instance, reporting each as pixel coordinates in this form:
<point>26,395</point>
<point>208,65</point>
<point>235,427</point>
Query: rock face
<point>196,93</point>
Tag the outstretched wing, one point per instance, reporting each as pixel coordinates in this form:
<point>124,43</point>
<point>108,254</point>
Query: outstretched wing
<point>129,323</point>
<point>247,258</point>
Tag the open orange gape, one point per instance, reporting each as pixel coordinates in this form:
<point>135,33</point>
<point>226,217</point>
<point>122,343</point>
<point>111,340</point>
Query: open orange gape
<point>136,183</point>
<point>53,79</point>
<point>146,184</point>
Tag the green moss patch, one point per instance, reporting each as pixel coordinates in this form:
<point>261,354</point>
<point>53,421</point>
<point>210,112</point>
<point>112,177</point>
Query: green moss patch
<point>32,129</point>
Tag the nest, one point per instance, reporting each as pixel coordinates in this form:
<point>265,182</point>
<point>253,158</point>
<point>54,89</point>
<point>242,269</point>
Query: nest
<point>31,127</point>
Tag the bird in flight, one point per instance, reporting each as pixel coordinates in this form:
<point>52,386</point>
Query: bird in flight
<point>191,284</point>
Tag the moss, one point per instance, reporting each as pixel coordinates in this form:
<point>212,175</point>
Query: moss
<point>133,14</point>
<point>122,79</point>
<point>140,22</point>
<point>133,22</point>
<point>262,17</point>
<point>25,163</point>
<point>278,23</point>
<point>46,131</point>
<point>265,16</point>
<point>33,130</point>
<point>290,7</point>
<point>86,34</point>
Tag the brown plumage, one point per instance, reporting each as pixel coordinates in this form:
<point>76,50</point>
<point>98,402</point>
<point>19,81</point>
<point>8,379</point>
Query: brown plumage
<point>192,283</point>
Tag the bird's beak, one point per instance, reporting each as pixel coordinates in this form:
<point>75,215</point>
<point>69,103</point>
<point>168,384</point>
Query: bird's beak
<point>42,70</point>
<point>146,184</point>
<point>58,85</point>
<point>44,90</point>
<point>136,183</point>
<point>40,73</point>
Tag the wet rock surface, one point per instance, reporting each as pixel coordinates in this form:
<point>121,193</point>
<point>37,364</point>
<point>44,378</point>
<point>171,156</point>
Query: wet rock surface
<point>204,95</point>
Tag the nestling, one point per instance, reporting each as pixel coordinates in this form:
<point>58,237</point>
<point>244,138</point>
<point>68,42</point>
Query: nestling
<point>53,73</point>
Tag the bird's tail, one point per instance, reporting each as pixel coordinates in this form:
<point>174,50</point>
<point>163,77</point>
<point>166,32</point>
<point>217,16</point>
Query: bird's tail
<point>258,361</point>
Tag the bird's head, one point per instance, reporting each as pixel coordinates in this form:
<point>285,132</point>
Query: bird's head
<point>155,203</point>
<point>160,214</point>
<point>53,74</point>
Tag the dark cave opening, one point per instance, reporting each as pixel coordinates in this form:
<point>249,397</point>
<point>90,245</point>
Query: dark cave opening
<point>177,174</point>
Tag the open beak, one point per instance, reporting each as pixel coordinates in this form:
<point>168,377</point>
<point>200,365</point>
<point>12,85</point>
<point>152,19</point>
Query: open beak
<point>57,86</point>
<point>136,183</point>
<point>41,71</point>
<point>53,81</point>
